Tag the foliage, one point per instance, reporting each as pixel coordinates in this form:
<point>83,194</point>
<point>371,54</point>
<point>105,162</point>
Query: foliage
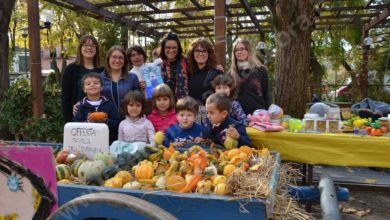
<point>16,112</point>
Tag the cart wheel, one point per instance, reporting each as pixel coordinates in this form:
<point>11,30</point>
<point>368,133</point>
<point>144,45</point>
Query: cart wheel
<point>109,205</point>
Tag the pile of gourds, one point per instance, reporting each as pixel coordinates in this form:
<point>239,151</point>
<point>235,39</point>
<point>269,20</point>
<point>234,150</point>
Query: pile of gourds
<point>192,170</point>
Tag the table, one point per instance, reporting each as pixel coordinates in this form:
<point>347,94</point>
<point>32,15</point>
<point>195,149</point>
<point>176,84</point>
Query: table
<point>325,148</point>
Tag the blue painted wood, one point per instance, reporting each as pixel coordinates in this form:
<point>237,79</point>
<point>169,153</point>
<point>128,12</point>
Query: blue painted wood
<point>182,206</point>
<point>312,193</point>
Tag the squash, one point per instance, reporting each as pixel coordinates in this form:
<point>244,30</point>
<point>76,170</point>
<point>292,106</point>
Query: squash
<point>91,171</point>
<point>62,171</point>
<point>228,169</point>
<point>159,137</point>
<point>247,150</point>
<point>220,189</point>
<point>75,167</point>
<point>219,179</point>
<point>124,175</point>
<point>175,183</point>
<point>230,143</point>
<point>97,116</point>
<point>114,182</point>
<point>64,181</point>
<point>110,171</point>
<point>232,153</point>
<point>61,156</point>
<point>144,170</point>
<point>71,158</point>
<point>107,158</point>
<point>132,185</point>
<point>203,187</point>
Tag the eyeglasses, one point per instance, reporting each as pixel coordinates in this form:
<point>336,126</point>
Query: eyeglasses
<point>240,49</point>
<point>201,51</point>
<point>171,48</point>
<point>117,57</point>
<point>90,46</point>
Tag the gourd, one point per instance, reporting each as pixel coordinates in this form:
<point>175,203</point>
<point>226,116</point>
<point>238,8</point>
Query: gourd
<point>64,181</point>
<point>71,158</point>
<point>145,170</point>
<point>61,156</point>
<point>75,167</point>
<point>62,171</point>
<point>204,187</point>
<point>124,175</point>
<point>220,189</point>
<point>107,158</point>
<point>114,182</point>
<point>230,143</point>
<point>132,185</point>
<point>91,171</point>
<point>228,169</point>
<point>175,183</point>
<point>110,171</point>
<point>219,179</point>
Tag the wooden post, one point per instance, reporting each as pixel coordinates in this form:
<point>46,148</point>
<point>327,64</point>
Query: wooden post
<point>363,77</point>
<point>220,31</point>
<point>35,57</point>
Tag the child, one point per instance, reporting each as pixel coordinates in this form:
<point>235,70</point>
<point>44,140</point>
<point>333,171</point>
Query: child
<point>218,106</point>
<point>224,83</point>
<point>94,102</point>
<point>163,114</point>
<point>135,127</point>
<point>186,131</point>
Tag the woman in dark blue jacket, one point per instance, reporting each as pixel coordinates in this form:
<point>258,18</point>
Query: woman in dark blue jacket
<point>116,80</point>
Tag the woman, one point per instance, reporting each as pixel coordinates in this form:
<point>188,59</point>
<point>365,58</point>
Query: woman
<point>116,80</point>
<point>87,61</point>
<point>137,57</point>
<point>202,69</point>
<point>174,66</point>
<point>250,77</point>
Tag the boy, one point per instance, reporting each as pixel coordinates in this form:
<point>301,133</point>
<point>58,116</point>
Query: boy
<point>186,130</point>
<point>222,125</point>
<point>94,102</point>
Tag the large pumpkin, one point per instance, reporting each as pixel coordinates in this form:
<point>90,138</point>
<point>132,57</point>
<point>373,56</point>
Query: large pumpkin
<point>144,170</point>
<point>175,183</point>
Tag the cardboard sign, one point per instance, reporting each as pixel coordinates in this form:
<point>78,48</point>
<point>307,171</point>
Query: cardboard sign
<point>27,182</point>
<point>86,138</point>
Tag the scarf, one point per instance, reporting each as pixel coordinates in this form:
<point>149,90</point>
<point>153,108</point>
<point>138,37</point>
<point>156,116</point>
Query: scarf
<point>181,77</point>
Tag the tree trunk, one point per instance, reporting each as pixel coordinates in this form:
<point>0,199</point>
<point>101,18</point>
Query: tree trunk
<point>6,7</point>
<point>316,73</point>
<point>293,26</point>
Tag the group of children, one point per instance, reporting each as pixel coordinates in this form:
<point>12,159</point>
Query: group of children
<point>177,120</point>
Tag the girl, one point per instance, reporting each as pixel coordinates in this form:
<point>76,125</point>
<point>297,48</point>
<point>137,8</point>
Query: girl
<point>174,65</point>
<point>87,61</point>
<point>224,83</point>
<point>116,80</point>
<point>250,77</point>
<point>163,114</point>
<point>137,57</point>
<point>135,127</point>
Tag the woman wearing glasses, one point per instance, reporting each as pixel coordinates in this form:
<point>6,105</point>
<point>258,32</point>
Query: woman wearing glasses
<point>87,61</point>
<point>174,65</point>
<point>251,78</point>
<point>116,80</point>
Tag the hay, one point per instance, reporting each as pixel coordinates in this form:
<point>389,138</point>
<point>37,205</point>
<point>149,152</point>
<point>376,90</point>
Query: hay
<point>254,184</point>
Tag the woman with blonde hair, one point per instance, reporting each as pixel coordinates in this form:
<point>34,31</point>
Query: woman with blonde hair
<point>250,76</point>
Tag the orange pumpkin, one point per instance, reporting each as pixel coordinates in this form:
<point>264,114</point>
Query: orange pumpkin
<point>97,116</point>
<point>124,175</point>
<point>145,170</point>
<point>175,183</point>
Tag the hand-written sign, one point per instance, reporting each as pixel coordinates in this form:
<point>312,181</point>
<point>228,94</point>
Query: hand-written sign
<point>86,138</point>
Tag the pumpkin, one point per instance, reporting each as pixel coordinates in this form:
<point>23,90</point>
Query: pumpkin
<point>107,158</point>
<point>132,185</point>
<point>64,181</point>
<point>228,169</point>
<point>175,183</point>
<point>75,167</point>
<point>62,172</point>
<point>71,158</point>
<point>203,187</point>
<point>145,170</point>
<point>97,116</point>
<point>247,150</point>
<point>242,157</point>
<point>61,156</point>
<point>114,182</point>
<point>124,175</point>
<point>232,153</point>
<point>91,171</point>
<point>220,189</point>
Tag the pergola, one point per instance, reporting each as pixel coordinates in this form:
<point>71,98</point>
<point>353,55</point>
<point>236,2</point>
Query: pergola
<point>218,19</point>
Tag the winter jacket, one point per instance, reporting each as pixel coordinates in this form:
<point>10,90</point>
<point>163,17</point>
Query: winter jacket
<point>161,123</point>
<point>139,130</point>
<point>106,106</point>
<point>199,84</point>
<point>177,134</point>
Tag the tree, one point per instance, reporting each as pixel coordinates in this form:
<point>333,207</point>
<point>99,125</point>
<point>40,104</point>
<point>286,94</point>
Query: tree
<point>293,27</point>
<point>6,7</point>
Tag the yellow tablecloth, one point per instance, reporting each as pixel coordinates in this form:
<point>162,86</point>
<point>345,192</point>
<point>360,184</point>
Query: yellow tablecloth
<point>326,149</point>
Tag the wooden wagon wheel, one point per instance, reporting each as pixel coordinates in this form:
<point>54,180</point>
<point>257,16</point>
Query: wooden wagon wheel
<point>109,205</point>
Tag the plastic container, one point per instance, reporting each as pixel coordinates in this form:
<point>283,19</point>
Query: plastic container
<point>320,125</point>
<point>333,126</point>
<point>309,125</point>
